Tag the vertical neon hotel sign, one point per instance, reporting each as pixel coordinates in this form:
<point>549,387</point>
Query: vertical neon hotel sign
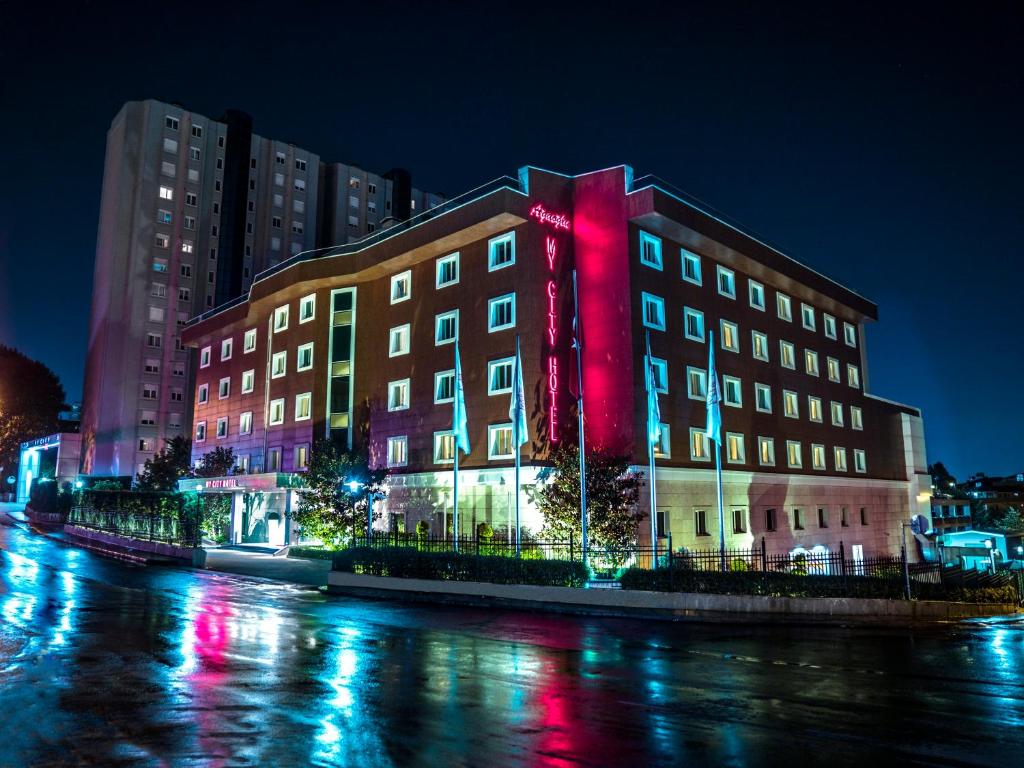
<point>558,222</point>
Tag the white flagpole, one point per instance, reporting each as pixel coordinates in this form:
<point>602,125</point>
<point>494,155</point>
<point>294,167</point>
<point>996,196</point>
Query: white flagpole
<point>455,500</point>
<point>515,440</point>
<point>721,509</point>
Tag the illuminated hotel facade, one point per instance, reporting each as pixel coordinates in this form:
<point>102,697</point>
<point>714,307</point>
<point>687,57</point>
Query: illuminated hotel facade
<point>356,344</point>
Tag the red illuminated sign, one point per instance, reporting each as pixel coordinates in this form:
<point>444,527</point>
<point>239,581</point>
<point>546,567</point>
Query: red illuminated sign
<point>551,248</point>
<point>544,216</point>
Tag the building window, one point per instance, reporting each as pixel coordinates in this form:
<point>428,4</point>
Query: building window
<point>732,391</point>
<point>304,357</point>
<point>696,383</point>
<point>168,169</point>
<point>849,335</point>
<point>156,314</point>
<point>245,423</point>
<point>398,451</point>
<point>784,307</point>
<point>299,185</point>
<point>654,311</point>
<point>194,153</point>
<point>860,462</point>
<point>300,457</point>
<point>444,447</point>
<point>186,270</point>
<point>398,395</point>
<point>279,364</point>
<point>281,319</point>
<point>833,369</point>
<point>178,368</point>
<point>398,341</point>
<point>756,291</point>
<point>170,146</point>
<point>726,282</point>
<point>444,387</point>
<point>160,265</point>
<point>853,376</point>
<point>760,345</point>
<point>811,362</point>
<point>222,427</point>
<point>863,515</point>
<point>276,412</point>
<point>691,268</point>
<point>663,448</point>
<point>766,451</point>
<point>501,313</point>
<point>149,392</point>
<point>307,308</point>
<point>770,520</point>
<point>856,419</point>
<point>184,294</point>
<point>300,165</point>
<point>224,388</point>
<point>225,349</point>
<point>204,357</point>
<point>163,217</point>
<point>248,381</point>
<point>659,368</point>
<point>693,324</point>
<point>446,327</point>
<point>274,459</point>
<point>166,193</point>
<point>844,520</point>
<point>790,404</point>
<point>830,326</point>
<point>793,455</point>
<point>197,131</point>
<point>203,394</point>
<point>171,122</point>
<point>700,522</point>
<point>249,344</point>
<point>739,521</point>
<point>650,250</point>
<point>763,398</point>
<point>200,431</point>
<point>162,240</point>
<point>501,251</point>
<point>814,408</point>
<point>818,456</point>
<point>499,376</point>
<point>807,316</point>
<point>700,449</point>
<point>152,365</point>
<point>159,290</point>
<point>303,406</point>
<point>735,451</point>
<point>837,414</point>
<point>787,354</point>
<point>730,336</point>
<point>447,270</point>
<point>822,517</point>
<point>499,441</point>
<point>798,519</point>
<point>840,458</point>
<point>401,287</point>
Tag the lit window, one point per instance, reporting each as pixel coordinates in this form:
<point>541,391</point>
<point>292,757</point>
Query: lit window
<point>225,349</point>
<point>732,391</point>
<point>766,451</point>
<point>696,383</point>
<point>814,408</point>
<point>204,394</point>
<point>277,412</point>
<point>446,327</point>
<point>280,318</point>
<point>166,193</point>
<point>793,455</point>
<point>807,316</point>
<point>811,362</point>
<point>401,287</point>
<point>501,251</point>
<point>763,398</point>
<point>444,447</point>
<point>162,240</point>
<point>853,376</point>
<point>730,336</point>
<point>860,462</point>
<point>660,370</point>
<point>307,308</point>
<point>249,344</point>
<point>735,453</point>
<point>760,345</point>
<point>499,441</point>
<point>204,357</point>
<point>818,456</point>
<point>156,314</point>
<point>856,419</point>
<point>398,451</point>
<point>444,387</point>
<point>756,292</point>
<point>840,458</point>
<point>398,395</point>
<point>164,217</point>
<point>224,389</point>
<point>726,282</point>
<point>654,311</point>
<point>830,326</point>
<point>693,324</point>
<point>398,341</point>
<point>300,458</point>
<point>837,414</point>
<point>279,364</point>
<point>447,270</point>
<point>245,423</point>
<point>700,449</point>
<point>159,265</point>
<point>303,406</point>
<point>499,376</point>
<point>787,354</point>
<point>222,427</point>
<point>784,306</point>
<point>304,357</point>
<point>200,430</point>
<point>663,448</point>
<point>691,268</point>
<point>700,522</point>
<point>248,381</point>
<point>650,250</point>
<point>501,313</point>
<point>274,460</point>
<point>833,369</point>
<point>850,335</point>
<point>790,404</point>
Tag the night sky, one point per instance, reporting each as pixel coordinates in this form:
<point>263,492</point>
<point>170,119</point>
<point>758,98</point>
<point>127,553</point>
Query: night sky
<point>881,147</point>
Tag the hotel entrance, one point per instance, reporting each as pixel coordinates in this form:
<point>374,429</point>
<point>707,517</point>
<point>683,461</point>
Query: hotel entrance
<point>261,506</point>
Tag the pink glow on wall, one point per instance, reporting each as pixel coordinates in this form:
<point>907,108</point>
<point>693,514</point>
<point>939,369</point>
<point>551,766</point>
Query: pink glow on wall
<point>551,251</point>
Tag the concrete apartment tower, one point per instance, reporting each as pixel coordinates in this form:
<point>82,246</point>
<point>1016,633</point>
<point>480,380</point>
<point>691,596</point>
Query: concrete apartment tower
<point>191,210</point>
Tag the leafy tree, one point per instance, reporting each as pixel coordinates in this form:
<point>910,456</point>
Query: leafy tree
<point>165,469</point>
<point>331,509</point>
<point>943,483</point>
<point>31,397</point>
<point>613,518</point>
<point>216,463</point>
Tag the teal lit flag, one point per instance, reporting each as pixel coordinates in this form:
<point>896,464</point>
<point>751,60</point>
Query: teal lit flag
<point>653,409</point>
<point>517,408</point>
<point>460,425</point>
<point>714,408</point>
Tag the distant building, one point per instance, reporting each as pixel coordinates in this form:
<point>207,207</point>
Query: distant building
<point>54,458</point>
<point>951,515</point>
<point>996,494</point>
<point>191,210</point>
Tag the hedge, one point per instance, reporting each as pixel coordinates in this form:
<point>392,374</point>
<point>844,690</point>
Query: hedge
<point>311,552</point>
<point>769,584</point>
<point>410,563</point>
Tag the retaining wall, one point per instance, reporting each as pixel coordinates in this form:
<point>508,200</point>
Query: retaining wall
<point>141,547</point>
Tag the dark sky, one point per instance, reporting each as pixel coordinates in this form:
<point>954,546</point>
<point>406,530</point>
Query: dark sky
<point>881,147</point>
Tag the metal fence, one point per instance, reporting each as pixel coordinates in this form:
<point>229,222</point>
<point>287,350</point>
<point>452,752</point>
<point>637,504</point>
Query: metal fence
<point>166,517</point>
<point>497,546</point>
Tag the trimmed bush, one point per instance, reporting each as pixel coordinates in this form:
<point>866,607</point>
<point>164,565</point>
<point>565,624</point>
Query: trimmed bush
<point>311,552</point>
<point>410,563</point>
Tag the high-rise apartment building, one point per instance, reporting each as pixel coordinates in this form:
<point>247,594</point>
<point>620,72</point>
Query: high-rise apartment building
<point>191,210</point>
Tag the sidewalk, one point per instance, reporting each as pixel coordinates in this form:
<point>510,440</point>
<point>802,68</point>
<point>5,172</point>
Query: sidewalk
<point>267,566</point>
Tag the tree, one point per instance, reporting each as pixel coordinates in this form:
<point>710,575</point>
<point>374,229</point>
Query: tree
<point>31,398</point>
<point>943,483</point>
<point>338,484</point>
<point>216,463</point>
<point>165,469</point>
<point>613,518</point>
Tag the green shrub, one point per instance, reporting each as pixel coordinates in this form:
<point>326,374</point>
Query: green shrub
<point>311,552</point>
<point>410,563</point>
<point>422,529</point>
<point>484,531</point>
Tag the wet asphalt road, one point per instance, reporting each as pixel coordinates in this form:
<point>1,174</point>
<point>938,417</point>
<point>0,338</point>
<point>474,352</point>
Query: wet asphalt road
<point>103,663</point>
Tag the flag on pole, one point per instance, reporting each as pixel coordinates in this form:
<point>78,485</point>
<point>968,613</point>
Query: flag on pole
<point>714,409</point>
<point>517,408</point>
<point>460,425</point>
<point>653,409</point>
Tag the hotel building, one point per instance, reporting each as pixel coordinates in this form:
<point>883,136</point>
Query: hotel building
<point>356,344</point>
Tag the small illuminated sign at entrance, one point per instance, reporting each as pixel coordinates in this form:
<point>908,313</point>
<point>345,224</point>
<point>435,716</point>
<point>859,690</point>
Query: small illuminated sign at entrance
<point>544,216</point>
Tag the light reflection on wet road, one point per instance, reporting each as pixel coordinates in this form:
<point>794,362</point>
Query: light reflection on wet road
<point>103,663</point>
